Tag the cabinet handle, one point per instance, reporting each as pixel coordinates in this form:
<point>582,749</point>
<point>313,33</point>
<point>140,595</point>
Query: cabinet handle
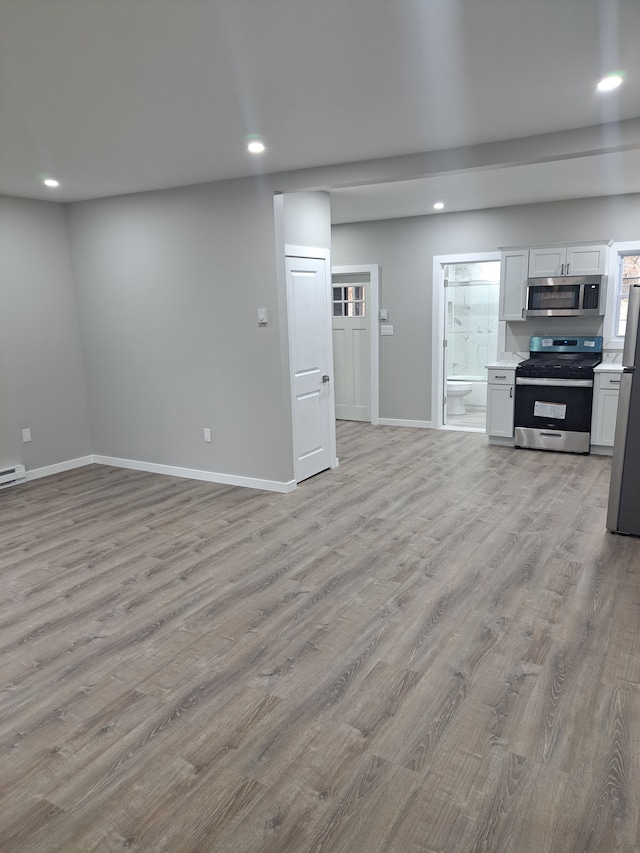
<point>510,392</point>
<point>567,272</point>
<point>614,381</point>
<point>500,377</point>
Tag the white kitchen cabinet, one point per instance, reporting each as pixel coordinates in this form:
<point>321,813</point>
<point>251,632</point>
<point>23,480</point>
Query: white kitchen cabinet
<point>606,388</point>
<point>568,260</point>
<point>500,402</point>
<point>513,280</point>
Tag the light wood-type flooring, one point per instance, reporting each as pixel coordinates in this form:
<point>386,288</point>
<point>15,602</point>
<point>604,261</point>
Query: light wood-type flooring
<point>475,417</point>
<point>435,647</point>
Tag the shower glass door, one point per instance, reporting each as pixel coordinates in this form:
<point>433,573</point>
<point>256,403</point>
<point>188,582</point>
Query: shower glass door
<point>471,335</point>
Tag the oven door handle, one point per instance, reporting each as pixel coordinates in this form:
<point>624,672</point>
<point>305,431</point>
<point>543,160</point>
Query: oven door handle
<point>549,381</point>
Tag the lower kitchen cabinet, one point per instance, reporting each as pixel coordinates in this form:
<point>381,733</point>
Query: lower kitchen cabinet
<point>606,388</point>
<point>500,411</point>
<point>500,403</point>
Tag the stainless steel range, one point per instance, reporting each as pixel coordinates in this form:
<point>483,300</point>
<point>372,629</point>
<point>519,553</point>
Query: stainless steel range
<point>554,393</point>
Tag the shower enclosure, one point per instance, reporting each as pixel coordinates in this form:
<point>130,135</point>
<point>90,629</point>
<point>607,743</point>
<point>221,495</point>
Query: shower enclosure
<point>471,335</point>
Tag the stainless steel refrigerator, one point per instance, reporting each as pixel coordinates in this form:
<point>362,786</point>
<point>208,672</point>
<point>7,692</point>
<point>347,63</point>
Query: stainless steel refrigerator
<point>623,515</point>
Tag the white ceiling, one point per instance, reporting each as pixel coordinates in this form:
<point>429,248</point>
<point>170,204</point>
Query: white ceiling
<point>120,96</point>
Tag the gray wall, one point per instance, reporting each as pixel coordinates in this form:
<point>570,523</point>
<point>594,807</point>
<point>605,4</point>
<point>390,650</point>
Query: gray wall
<point>405,248</point>
<point>42,383</point>
<point>306,219</point>
<point>168,284</point>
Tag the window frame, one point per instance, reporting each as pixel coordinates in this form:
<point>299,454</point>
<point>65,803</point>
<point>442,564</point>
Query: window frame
<point>349,301</point>
<point>612,340</point>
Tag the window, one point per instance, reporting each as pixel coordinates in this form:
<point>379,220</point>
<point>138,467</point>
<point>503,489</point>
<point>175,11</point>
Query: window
<point>349,301</point>
<point>628,275</point>
<point>624,271</point>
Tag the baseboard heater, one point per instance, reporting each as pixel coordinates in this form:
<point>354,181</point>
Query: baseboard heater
<point>12,476</point>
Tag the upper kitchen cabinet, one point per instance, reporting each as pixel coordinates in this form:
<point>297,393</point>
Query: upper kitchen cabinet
<point>513,282</point>
<point>581,259</point>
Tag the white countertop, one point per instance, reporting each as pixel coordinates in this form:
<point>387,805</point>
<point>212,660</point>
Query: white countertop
<point>507,361</point>
<point>608,367</point>
<point>503,365</point>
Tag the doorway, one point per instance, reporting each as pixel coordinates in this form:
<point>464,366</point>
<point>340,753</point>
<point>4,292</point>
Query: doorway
<point>355,311</point>
<point>467,337</point>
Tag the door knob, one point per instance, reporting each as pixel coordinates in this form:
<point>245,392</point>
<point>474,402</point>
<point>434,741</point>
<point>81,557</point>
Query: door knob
<point>325,378</point>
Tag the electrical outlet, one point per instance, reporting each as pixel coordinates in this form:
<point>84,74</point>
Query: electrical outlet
<point>207,435</point>
<point>26,435</point>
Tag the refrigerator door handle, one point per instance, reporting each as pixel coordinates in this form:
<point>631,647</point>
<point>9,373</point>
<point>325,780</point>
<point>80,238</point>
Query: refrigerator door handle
<point>619,445</point>
<point>631,334</point>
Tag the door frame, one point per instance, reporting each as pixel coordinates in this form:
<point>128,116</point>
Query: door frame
<point>438,326</point>
<point>292,251</point>
<point>373,293</point>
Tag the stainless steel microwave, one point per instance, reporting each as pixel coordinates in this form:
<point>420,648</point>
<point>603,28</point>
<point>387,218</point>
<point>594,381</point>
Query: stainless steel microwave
<point>571,296</point>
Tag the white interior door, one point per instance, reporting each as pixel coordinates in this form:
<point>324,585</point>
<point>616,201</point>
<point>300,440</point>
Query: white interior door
<point>311,365</point>
<point>351,349</point>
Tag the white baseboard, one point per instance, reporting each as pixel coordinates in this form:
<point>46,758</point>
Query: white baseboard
<point>601,450</point>
<point>59,467</point>
<point>402,423</point>
<point>194,474</point>
<point>503,442</point>
<point>171,470</point>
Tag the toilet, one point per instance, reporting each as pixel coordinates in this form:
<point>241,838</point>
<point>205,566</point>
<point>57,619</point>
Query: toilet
<point>456,392</point>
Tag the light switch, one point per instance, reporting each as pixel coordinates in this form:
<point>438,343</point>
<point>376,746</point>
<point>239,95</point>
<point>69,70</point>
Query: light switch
<point>384,314</point>
<point>386,330</point>
<point>263,316</point>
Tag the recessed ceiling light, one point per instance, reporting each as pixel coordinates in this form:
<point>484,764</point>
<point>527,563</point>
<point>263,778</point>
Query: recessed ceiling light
<point>51,182</point>
<point>255,146</point>
<point>612,81</point>
<point>438,205</point>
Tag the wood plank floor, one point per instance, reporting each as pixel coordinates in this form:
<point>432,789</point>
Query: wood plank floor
<point>435,647</point>
<point>475,417</point>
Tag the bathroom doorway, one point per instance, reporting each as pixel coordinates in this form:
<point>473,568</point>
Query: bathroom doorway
<point>467,338</point>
